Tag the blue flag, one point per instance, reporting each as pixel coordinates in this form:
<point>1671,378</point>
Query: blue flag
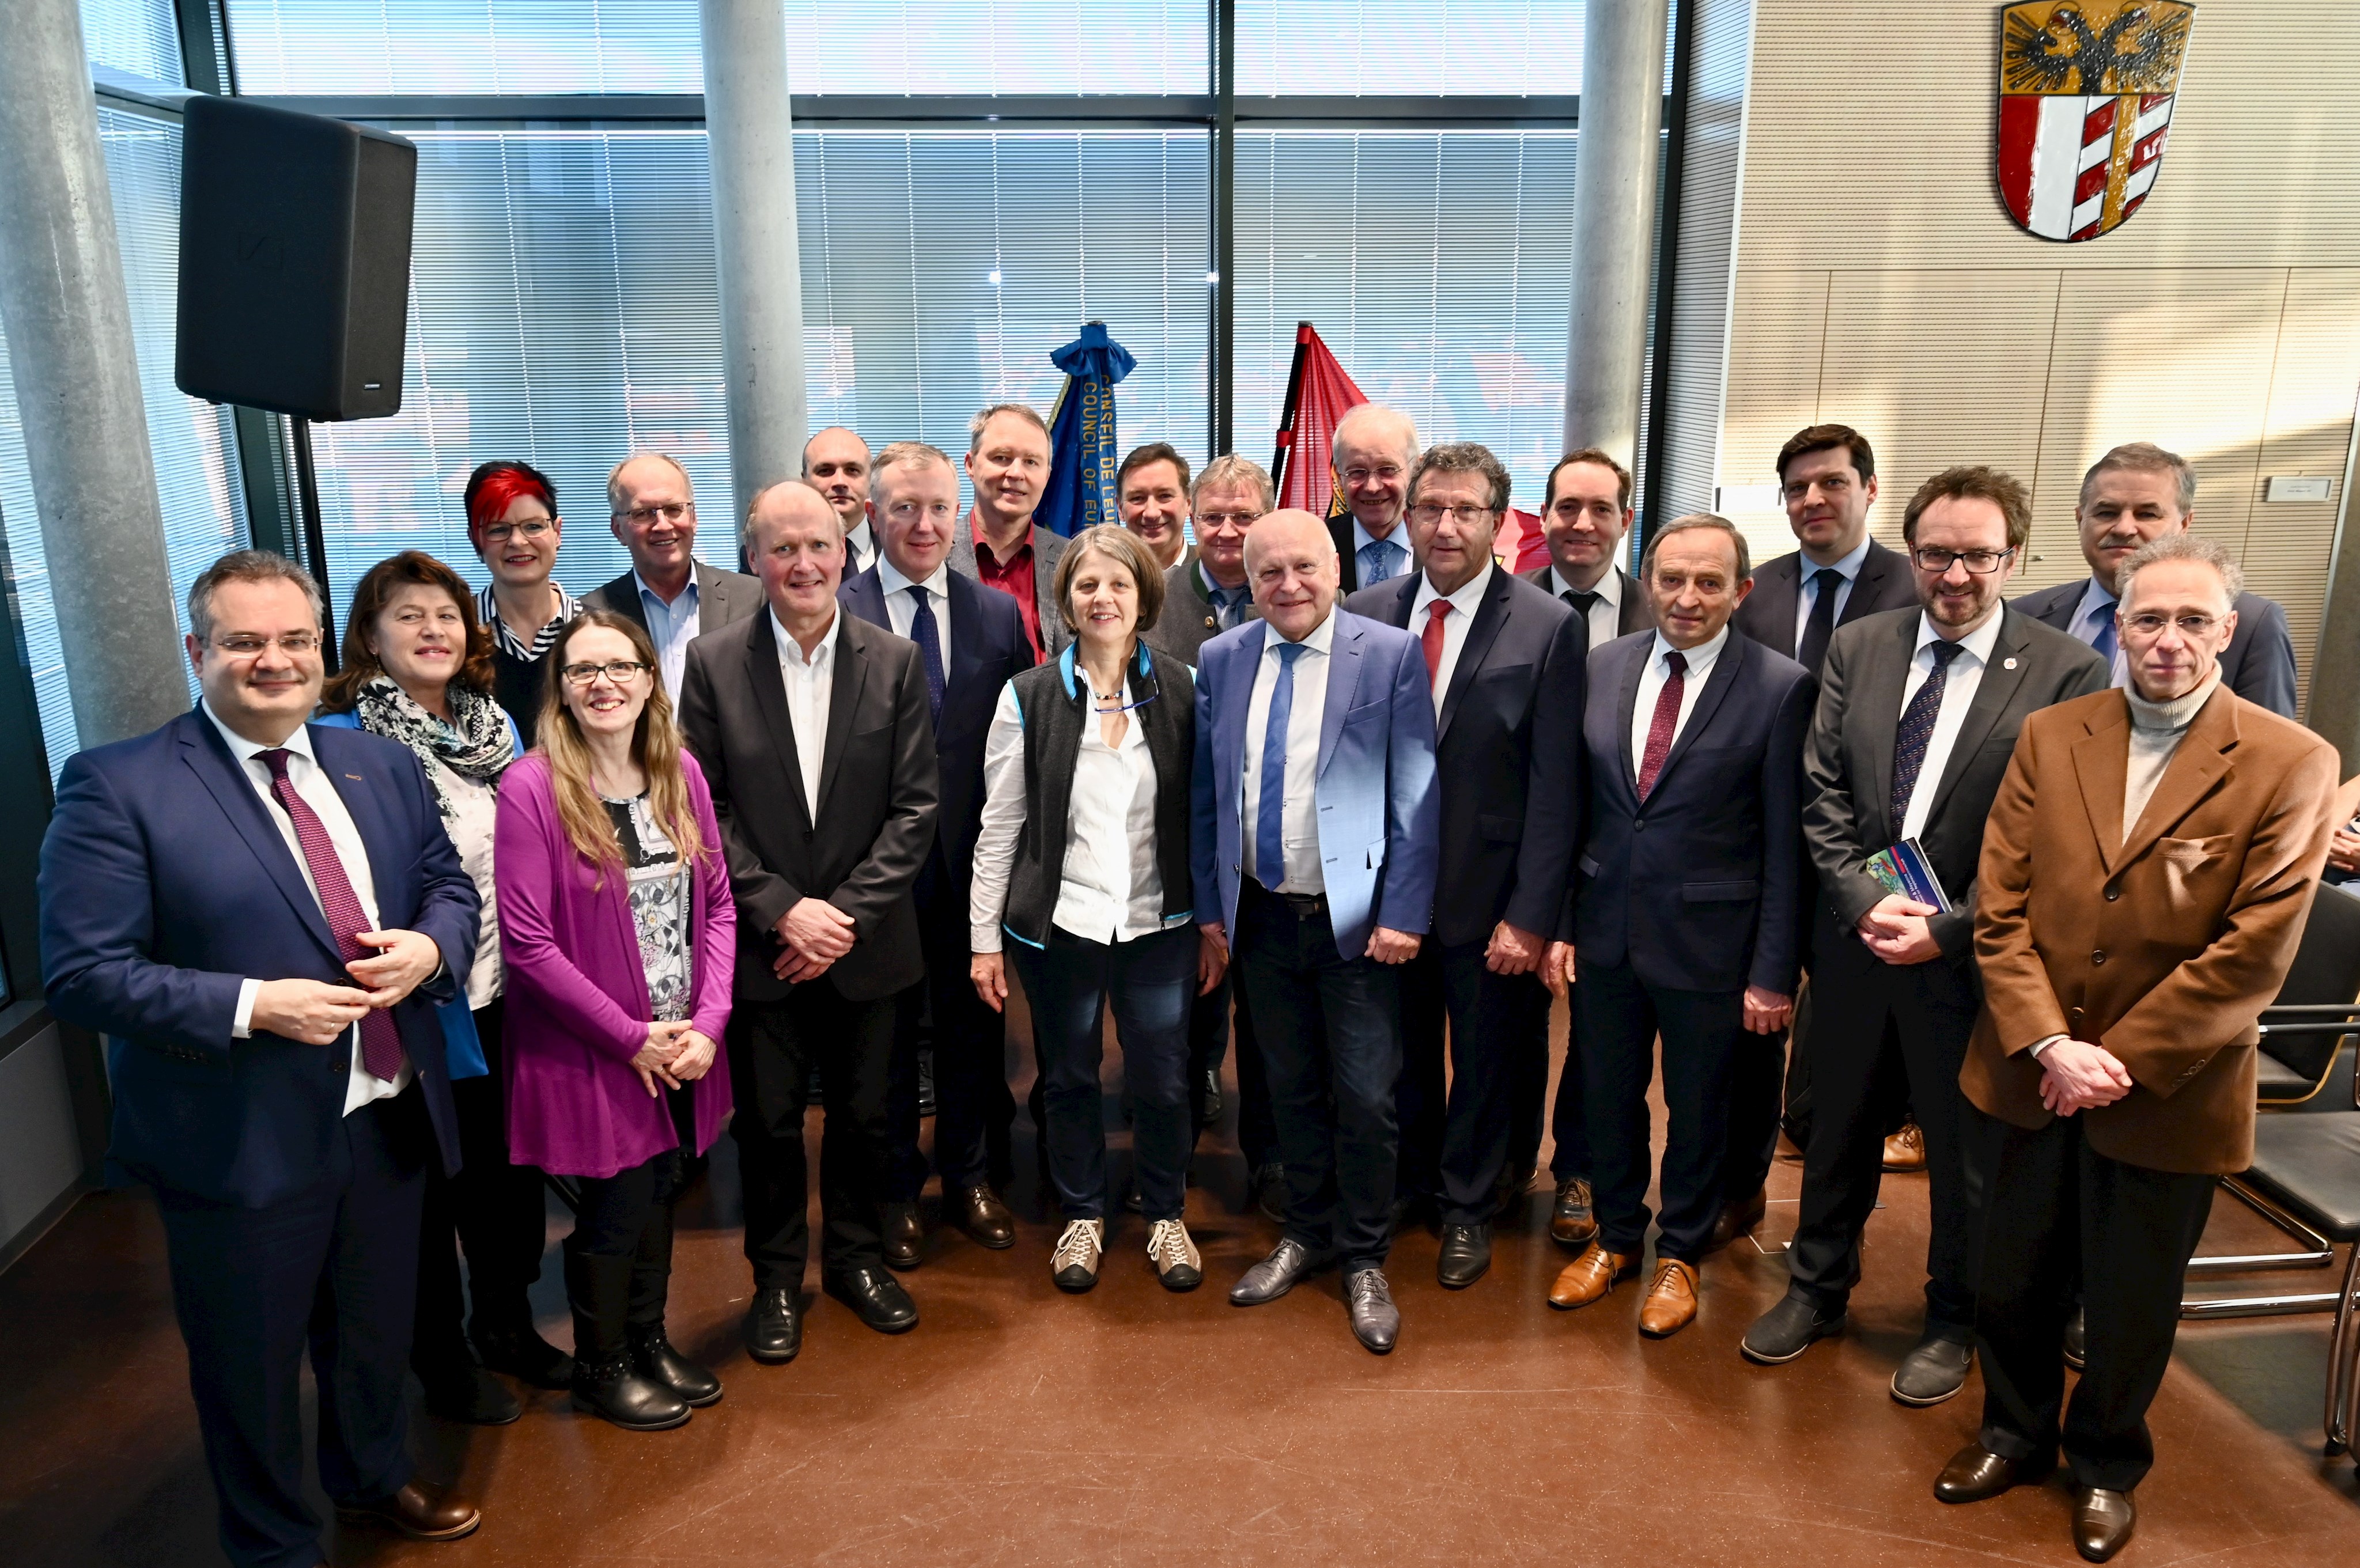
<point>1082,453</point>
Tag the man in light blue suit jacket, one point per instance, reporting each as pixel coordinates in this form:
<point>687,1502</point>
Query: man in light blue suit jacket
<point>1317,819</point>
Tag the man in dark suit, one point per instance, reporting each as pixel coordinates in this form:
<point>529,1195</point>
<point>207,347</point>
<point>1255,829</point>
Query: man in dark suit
<point>1373,449</point>
<point>1586,516</point>
<point>971,641</point>
<point>2137,493</point>
<point>814,732</point>
<point>1315,819</point>
<point>1686,909</point>
<point>261,916</point>
<point>836,464</point>
<point>1504,664</point>
<point>1008,465</point>
<point>1917,716</point>
<point>675,596</point>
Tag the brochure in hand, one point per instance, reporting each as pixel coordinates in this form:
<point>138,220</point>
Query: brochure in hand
<point>1906,870</point>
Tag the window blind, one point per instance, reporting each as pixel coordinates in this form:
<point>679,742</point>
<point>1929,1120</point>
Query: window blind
<point>1481,48</point>
<point>140,37</point>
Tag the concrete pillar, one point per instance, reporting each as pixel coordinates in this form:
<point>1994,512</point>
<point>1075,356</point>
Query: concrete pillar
<point>753,156</point>
<point>1614,223</point>
<point>69,323</point>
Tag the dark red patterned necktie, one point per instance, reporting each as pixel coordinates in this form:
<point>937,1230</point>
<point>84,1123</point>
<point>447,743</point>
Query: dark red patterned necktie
<point>380,1040</point>
<point>1431,640</point>
<point>1666,721</point>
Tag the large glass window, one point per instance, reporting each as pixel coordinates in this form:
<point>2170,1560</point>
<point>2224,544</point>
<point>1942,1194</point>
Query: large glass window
<point>137,36</point>
<point>1464,48</point>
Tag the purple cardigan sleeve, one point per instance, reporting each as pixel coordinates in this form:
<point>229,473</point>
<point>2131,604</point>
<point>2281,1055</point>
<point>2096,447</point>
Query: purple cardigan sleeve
<point>530,852</point>
<point>716,938</point>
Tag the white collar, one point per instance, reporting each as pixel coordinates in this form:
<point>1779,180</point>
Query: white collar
<point>1978,642</point>
<point>1471,593</point>
<point>1609,589</point>
<point>2094,597</point>
<point>687,594</point>
<point>245,750</point>
<point>1204,576</point>
<point>1847,566</point>
<point>890,578</point>
<point>1318,639</point>
<point>1700,657</point>
<point>788,649</point>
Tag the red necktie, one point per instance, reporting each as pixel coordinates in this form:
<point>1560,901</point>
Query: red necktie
<point>380,1040</point>
<point>1432,640</point>
<point>1666,721</point>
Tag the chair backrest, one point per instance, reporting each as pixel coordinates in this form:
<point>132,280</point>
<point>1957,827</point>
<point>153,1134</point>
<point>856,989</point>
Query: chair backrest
<point>2326,970</point>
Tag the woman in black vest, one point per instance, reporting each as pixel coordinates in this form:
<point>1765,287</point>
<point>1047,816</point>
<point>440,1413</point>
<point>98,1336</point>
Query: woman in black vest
<point>1083,861</point>
<point>513,524</point>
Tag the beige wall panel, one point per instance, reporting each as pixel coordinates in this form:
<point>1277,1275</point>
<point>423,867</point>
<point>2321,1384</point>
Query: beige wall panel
<point>2287,544</point>
<point>1869,136</point>
<point>1777,332</point>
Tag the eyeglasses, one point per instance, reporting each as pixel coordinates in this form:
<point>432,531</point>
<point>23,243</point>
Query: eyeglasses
<point>645,517</point>
<point>1981,562</point>
<point>500,533</point>
<point>1387,472</point>
<point>1228,520</point>
<point>295,643</point>
<point>1428,513</point>
<point>2195,628</point>
<point>619,670</point>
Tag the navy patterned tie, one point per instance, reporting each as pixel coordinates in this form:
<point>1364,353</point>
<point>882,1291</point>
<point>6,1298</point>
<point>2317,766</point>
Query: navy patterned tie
<point>923,632</point>
<point>1916,729</point>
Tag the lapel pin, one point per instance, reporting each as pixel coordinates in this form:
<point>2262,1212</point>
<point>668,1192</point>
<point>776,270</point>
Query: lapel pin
<point>356,778</point>
<point>2008,664</point>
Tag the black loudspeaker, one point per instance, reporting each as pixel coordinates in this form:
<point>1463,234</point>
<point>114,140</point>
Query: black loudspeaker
<point>294,260</point>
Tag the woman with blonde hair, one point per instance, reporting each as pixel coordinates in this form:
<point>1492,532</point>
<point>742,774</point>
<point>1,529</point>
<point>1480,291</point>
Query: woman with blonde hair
<point>620,939</point>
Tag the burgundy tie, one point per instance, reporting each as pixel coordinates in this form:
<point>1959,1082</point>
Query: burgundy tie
<point>1432,640</point>
<point>1667,720</point>
<point>380,1040</point>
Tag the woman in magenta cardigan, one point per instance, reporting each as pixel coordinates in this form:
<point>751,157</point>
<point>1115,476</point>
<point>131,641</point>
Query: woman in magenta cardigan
<point>620,936</point>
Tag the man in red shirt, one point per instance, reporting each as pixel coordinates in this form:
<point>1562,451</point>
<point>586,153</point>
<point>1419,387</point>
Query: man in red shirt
<point>1008,465</point>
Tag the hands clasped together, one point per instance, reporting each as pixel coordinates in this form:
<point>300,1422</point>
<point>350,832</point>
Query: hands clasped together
<point>317,1013</point>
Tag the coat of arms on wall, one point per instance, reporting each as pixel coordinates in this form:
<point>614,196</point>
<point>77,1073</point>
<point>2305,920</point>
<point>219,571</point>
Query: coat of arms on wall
<point>2085,95</point>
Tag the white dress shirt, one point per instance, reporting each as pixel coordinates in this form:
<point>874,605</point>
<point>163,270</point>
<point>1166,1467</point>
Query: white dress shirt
<point>1455,623</point>
<point>901,609</point>
<point>1111,886</point>
<point>672,627</point>
<point>859,549</point>
<point>1805,594</point>
<point>2095,611</point>
<point>1299,827</point>
<point>1958,694</point>
<point>1606,615</point>
<point>810,683</point>
<point>1652,679</point>
<point>310,781</point>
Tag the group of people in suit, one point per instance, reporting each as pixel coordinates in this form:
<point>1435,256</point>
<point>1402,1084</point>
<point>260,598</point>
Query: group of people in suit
<point>540,886</point>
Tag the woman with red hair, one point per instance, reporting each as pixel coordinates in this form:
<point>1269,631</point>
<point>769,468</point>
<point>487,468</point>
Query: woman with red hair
<point>513,525</point>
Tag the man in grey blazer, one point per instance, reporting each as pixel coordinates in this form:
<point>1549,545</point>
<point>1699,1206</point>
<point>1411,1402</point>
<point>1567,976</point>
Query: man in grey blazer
<point>672,595</point>
<point>1008,466</point>
<point>1917,718</point>
<point>2135,493</point>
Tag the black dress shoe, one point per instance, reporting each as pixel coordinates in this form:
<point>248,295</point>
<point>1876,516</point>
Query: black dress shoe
<point>977,1211</point>
<point>1208,1108</point>
<point>523,1355</point>
<point>905,1236</point>
<point>418,1512</point>
<point>1933,1372</point>
<point>2077,1343</point>
<point>1788,1330</point>
<point>774,1328</point>
<point>2102,1522</point>
<point>877,1299</point>
<point>1466,1255</point>
<point>653,1356</point>
<point>462,1391</point>
<point>1738,1217</point>
<point>617,1391</point>
<point>1976,1472</point>
<point>1270,1191</point>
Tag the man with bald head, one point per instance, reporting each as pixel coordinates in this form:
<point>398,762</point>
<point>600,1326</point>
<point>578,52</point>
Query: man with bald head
<point>1375,449</point>
<point>836,463</point>
<point>668,591</point>
<point>827,817</point>
<point>1316,820</point>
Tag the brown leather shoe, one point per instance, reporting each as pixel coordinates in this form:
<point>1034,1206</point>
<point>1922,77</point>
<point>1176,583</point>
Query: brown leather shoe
<point>2102,1522</point>
<point>977,1211</point>
<point>1590,1276</point>
<point>1738,1217</point>
<point>905,1237</point>
<point>1976,1472</point>
<point>1570,1220</point>
<point>1671,1302</point>
<point>1905,1149</point>
<point>418,1512</point>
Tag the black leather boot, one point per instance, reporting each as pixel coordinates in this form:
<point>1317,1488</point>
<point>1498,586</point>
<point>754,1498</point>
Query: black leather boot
<point>653,1355</point>
<point>606,1383</point>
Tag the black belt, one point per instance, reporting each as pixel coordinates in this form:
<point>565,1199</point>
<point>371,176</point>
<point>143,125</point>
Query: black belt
<point>1303,905</point>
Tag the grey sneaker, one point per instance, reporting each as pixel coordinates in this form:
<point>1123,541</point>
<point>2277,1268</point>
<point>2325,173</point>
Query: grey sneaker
<point>1174,1255</point>
<point>1075,1265</point>
<point>1288,1263</point>
<point>1788,1330</point>
<point>1376,1321</point>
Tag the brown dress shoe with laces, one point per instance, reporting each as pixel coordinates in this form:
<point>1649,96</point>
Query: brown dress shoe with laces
<point>1570,1219</point>
<point>1671,1304</point>
<point>1738,1217</point>
<point>1905,1151</point>
<point>418,1512</point>
<point>977,1211</point>
<point>1590,1276</point>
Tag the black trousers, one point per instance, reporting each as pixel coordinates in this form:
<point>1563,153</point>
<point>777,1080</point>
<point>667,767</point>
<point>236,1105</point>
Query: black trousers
<point>1568,1115</point>
<point>773,1046</point>
<point>1881,1035</point>
<point>1329,1029</point>
<point>1208,1039</point>
<point>973,1109</point>
<point>1757,1083</point>
<point>496,1208</point>
<point>2057,1205</point>
<point>335,1268</point>
<point>619,1258</point>
<point>1456,1149</point>
<point>1702,1034</point>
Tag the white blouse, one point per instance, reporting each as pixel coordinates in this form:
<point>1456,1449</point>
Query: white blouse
<point>477,809</point>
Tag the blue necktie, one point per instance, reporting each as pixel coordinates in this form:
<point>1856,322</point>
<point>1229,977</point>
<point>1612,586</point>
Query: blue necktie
<point>2102,640</point>
<point>1380,559</point>
<point>930,646</point>
<point>1270,815</point>
<point>1917,728</point>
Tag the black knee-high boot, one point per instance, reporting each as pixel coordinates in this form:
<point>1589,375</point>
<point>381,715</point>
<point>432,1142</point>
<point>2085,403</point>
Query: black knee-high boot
<point>606,1384</point>
<point>652,1355</point>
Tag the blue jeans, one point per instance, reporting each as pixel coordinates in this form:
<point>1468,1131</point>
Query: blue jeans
<point>1150,983</point>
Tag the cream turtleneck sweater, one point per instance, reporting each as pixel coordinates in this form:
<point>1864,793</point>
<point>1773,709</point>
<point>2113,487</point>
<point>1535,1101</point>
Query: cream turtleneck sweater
<point>2157,730</point>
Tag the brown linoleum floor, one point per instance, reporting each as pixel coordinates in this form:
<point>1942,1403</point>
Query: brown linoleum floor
<point>1018,1425</point>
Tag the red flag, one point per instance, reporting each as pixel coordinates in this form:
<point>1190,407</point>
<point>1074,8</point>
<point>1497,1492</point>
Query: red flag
<point>1317,393</point>
<point>1521,544</point>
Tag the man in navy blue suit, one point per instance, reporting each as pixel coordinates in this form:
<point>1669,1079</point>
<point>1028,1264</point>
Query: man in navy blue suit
<point>1313,844</point>
<point>1688,905</point>
<point>261,916</point>
<point>972,640</point>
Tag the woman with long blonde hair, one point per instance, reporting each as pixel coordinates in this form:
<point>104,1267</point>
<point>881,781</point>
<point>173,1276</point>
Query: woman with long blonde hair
<point>618,930</point>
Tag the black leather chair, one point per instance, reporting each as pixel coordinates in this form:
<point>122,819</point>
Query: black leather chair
<point>2310,1165</point>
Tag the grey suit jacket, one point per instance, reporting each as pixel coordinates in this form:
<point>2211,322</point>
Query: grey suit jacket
<point>2258,665</point>
<point>1186,620</point>
<point>1635,615</point>
<point>1768,613</point>
<point>1047,548</point>
<point>722,597</point>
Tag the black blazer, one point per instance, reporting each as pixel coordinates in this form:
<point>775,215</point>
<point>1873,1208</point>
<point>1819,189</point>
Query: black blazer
<point>2258,665</point>
<point>723,598</point>
<point>1508,754</point>
<point>1848,767</point>
<point>1768,613</point>
<point>1702,888</point>
<point>862,848</point>
<point>1634,614</point>
<point>987,646</point>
